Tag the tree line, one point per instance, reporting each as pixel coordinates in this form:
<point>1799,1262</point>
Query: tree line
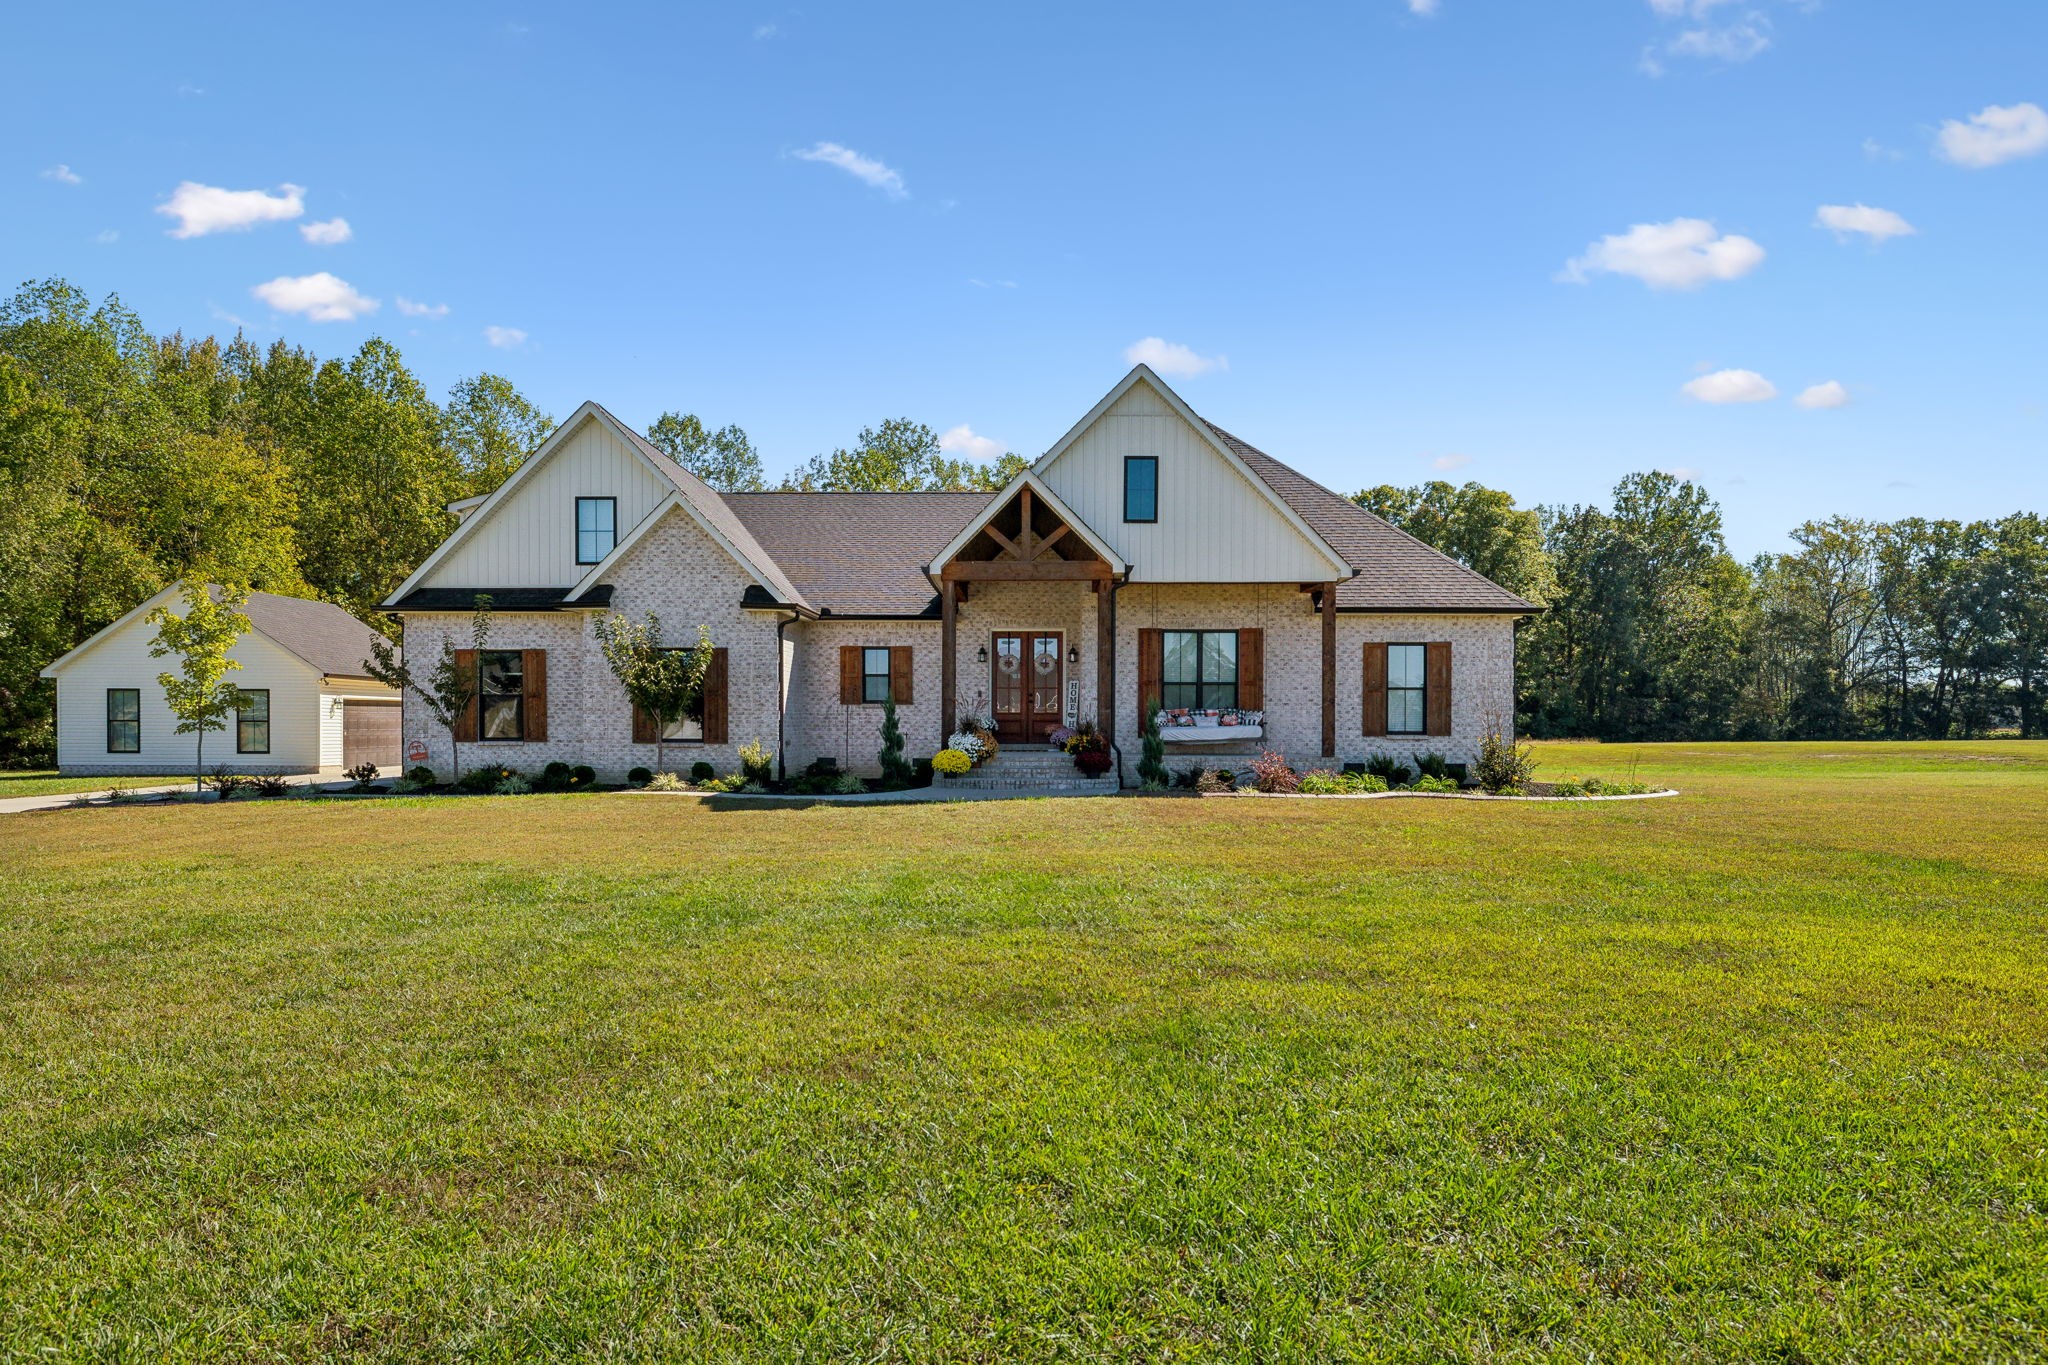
<point>129,460</point>
<point>1912,629</point>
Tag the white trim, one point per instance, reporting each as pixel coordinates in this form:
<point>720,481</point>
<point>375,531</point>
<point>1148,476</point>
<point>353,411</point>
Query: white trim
<point>1026,478</point>
<point>1045,462</point>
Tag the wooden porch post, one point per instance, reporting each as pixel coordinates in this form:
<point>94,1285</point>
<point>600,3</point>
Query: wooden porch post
<point>949,662</point>
<point>1329,670</point>
<point>1105,658</point>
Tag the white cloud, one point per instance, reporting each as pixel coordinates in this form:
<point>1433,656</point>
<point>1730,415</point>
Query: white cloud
<point>201,209</point>
<point>1828,395</point>
<point>107,236</point>
<point>1447,463</point>
<point>1684,253</point>
<point>993,284</point>
<point>863,168</point>
<point>321,297</point>
<point>1876,224</point>
<point>1686,9</point>
<point>1736,42</point>
<point>1172,359</point>
<point>1730,386</point>
<point>1994,134</point>
<point>421,310</point>
<point>333,232</point>
<point>961,440</point>
<point>1684,473</point>
<point>1424,8</point>
<point>766,31</point>
<point>1873,150</point>
<point>505,338</point>
<point>63,175</point>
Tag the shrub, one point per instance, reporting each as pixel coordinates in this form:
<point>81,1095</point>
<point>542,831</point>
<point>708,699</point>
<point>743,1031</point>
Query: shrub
<point>968,742</point>
<point>583,775</point>
<point>846,784</point>
<point>700,771</point>
<point>951,762</point>
<point>1322,782</point>
<point>1388,769</point>
<point>1568,787</point>
<point>640,777</point>
<point>270,784</point>
<point>1270,773</point>
<point>1432,764</point>
<point>514,784</point>
<point>752,789</point>
<point>1504,765</point>
<point>827,766</point>
<point>666,782</point>
<point>420,776</point>
<point>757,763</point>
<point>1187,779</point>
<point>1213,780</point>
<point>732,782</point>
<point>1600,786</point>
<point>484,779</point>
<point>554,777</point>
<point>896,768</point>
<point>1436,785</point>
<point>1152,767</point>
<point>224,784</point>
<point>363,774</point>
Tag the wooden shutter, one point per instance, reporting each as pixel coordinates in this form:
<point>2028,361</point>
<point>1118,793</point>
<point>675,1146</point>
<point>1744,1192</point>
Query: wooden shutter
<point>1436,679</point>
<point>1375,693</point>
<point>714,699</point>
<point>643,726</point>
<point>533,672</point>
<point>1251,669</point>
<point>465,728</point>
<point>1151,664</point>
<point>899,674</point>
<point>849,675</point>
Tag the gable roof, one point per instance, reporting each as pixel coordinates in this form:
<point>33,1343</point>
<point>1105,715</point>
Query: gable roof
<point>1396,572</point>
<point>859,554</point>
<point>321,634</point>
<point>1028,478</point>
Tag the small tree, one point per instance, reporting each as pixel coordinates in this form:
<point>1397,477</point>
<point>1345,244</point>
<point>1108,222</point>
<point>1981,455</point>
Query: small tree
<point>199,693</point>
<point>896,769</point>
<point>663,682</point>
<point>450,689</point>
<point>1152,767</point>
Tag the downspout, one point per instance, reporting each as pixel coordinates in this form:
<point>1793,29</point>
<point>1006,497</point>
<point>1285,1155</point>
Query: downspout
<point>1115,587</point>
<point>781,699</point>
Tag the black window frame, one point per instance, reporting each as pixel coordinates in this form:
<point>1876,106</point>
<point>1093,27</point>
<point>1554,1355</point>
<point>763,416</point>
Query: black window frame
<point>135,720</point>
<point>612,531</point>
<point>486,697</point>
<point>242,722</point>
<point>1203,700</point>
<point>1420,692</point>
<point>868,675</point>
<point>1153,462</point>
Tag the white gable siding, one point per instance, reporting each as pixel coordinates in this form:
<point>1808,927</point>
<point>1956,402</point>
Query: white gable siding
<point>1214,526</point>
<point>529,539</point>
<point>122,659</point>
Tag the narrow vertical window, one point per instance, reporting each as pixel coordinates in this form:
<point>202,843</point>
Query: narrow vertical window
<point>874,674</point>
<point>501,697</point>
<point>124,720</point>
<point>597,528</point>
<point>1407,673</point>
<point>1141,488</point>
<point>252,722</point>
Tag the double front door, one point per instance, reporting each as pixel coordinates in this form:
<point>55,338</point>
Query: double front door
<point>1027,678</point>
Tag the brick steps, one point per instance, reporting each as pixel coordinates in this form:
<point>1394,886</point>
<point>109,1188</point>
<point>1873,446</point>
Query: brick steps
<point>1036,772</point>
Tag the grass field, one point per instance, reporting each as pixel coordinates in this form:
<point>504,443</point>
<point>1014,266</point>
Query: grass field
<point>44,782</point>
<point>1757,1072</point>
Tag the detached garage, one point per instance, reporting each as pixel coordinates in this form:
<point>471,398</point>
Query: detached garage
<point>312,705</point>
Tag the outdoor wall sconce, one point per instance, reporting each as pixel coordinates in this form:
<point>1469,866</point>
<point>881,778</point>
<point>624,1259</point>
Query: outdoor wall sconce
<point>981,655</point>
<point>1073,654</point>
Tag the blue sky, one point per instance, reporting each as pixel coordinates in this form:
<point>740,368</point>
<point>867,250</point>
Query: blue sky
<point>1352,226</point>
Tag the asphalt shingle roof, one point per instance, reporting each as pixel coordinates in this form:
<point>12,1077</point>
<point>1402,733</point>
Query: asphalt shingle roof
<point>858,554</point>
<point>322,634</point>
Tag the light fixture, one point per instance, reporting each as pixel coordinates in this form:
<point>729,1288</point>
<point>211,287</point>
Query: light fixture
<point>981,655</point>
<point>1073,654</point>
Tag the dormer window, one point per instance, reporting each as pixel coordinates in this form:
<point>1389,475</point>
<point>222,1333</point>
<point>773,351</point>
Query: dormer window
<point>1141,488</point>
<point>597,528</point>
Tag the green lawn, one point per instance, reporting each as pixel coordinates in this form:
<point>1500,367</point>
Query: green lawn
<point>1754,1072</point>
<point>44,782</point>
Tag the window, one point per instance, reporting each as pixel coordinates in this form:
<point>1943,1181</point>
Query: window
<point>597,528</point>
<point>1198,670</point>
<point>501,699</point>
<point>874,675</point>
<point>1141,488</point>
<point>690,725</point>
<point>124,720</point>
<point>252,723</point>
<point>1406,689</point>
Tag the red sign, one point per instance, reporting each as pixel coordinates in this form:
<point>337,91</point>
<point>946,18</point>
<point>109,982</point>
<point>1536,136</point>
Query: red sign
<point>416,751</point>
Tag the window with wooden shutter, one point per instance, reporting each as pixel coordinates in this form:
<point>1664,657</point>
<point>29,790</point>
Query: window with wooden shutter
<point>1251,670</point>
<point>1437,688</point>
<point>849,675</point>
<point>1151,661</point>
<point>465,727</point>
<point>899,674</point>
<point>714,699</point>
<point>1375,691</point>
<point>534,664</point>
<point>643,726</point>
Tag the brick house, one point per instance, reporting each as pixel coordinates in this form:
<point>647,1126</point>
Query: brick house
<point>1148,554</point>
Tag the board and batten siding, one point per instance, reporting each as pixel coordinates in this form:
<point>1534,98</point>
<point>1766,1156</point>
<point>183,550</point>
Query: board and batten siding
<point>122,659</point>
<point>529,539</point>
<point>1215,525</point>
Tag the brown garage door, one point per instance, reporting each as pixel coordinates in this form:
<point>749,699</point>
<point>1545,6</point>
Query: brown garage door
<point>369,733</point>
